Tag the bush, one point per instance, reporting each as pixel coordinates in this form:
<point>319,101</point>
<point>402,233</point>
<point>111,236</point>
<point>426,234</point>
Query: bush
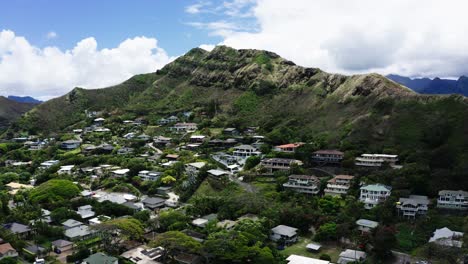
<point>325,257</point>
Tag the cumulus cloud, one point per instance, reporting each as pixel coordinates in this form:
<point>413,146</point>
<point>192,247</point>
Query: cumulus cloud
<point>408,37</point>
<point>49,72</point>
<point>207,47</point>
<point>51,35</point>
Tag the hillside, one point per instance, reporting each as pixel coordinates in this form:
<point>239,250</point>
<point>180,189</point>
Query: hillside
<point>24,99</point>
<point>11,110</point>
<point>433,86</point>
<point>257,88</point>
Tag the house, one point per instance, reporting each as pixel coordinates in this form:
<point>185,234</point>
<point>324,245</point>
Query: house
<point>143,137</point>
<point>79,233</point>
<point>303,184</point>
<point>14,187</point>
<point>125,151</point>
<point>99,121</point>
<point>149,175</point>
<point>414,205</point>
<point>288,148</point>
<point>63,245</point>
<point>245,151</point>
<point>153,202</point>
<point>172,157</point>
<point>226,224</point>
<point>173,119</point>
<point>374,194</point>
<point>7,251</point>
<point>453,200</point>
<point>102,130</point>
<point>163,190</point>
<point>163,121</point>
<point>35,250</point>
<point>100,258</point>
<point>339,185</point>
<point>200,222</point>
<point>350,255</point>
<point>277,164</point>
<point>70,144</point>
<point>184,127</point>
<point>217,174</point>
<point>197,139</point>
<point>48,164</point>
<point>68,169</point>
<point>327,156</point>
<point>98,220</point>
<point>85,211</point>
<point>376,160</point>
<point>230,131</point>
<point>296,259</point>
<point>142,255</point>
<point>366,226</point>
<point>447,237</point>
<point>284,234</point>
<point>18,229</point>
<point>313,247</point>
<point>193,168</point>
<point>71,223</point>
<point>160,140</point>
<point>120,173</point>
<point>130,135</point>
<point>195,235</point>
<point>105,148</point>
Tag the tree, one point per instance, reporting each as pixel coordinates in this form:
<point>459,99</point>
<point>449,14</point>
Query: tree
<point>175,241</point>
<point>326,232</point>
<point>54,191</point>
<point>116,231</point>
<point>168,180</point>
<point>61,214</point>
<point>173,220</point>
<point>251,162</point>
<point>383,241</point>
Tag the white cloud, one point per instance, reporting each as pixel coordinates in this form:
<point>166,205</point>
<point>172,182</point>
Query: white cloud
<point>198,7</point>
<point>207,47</point>
<point>49,72</point>
<point>409,37</point>
<point>51,35</point>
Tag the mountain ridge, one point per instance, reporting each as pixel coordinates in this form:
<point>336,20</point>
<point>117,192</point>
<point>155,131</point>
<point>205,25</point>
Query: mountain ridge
<point>11,110</point>
<point>433,86</point>
<point>24,99</point>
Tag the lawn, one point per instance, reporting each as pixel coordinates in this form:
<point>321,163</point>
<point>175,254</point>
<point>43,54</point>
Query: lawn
<point>299,248</point>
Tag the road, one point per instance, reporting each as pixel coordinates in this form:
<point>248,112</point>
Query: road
<point>154,148</point>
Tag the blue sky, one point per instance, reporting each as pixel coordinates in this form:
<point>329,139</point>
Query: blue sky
<point>49,47</point>
<point>108,21</point>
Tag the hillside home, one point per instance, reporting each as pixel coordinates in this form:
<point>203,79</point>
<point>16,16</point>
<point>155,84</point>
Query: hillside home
<point>105,148</point>
<point>153,202</point>
<point>70,144</point>
<point>217,174</point>
<point>374,194</point>
<point>130,135</point>
<point>68,169</point>
<point>184,127</point>
<point>120,173</point>
<point>284,234</point>
<point>63,245</point>
<point>192,169</point>
<point>7,251</point>
<point>230,131</point>
<point>143,255</point>
<point>226,224</point>
<point>413,206</point>
<point>14,187</point>
<point>149,175</point>
<point>200,222</point>
<point>98,220</point>
<point>327,156</point>
<point>376,160</point>
<point>303,184</point>
<point>85,211</point>
<point>278,164</point>
<point>38,145</point>
<point>125,151</point>
<point>163,121</point>
<point>160,140</point>
<point>453,200</point>
<point>296,259</point>
<point>100,258</point>
<point>143,137</point>
<point>48,164</point>
<point>79,233</point>
<point>99,121</point>
<point>173,119</point>
<point>288,148</point>
<point>350,255</point>
<point>71,223</point>
<point>102,130</point>
<point>447,237</point>
<point>366,226</point>
<point>197,139</point>
<point>245,151</point>
<point>339,185</point>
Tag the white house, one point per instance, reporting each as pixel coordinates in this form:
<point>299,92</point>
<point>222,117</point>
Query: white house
<point>149,175</point>
<point>339,185</point>
<point>453,200</point>
<point>350,255</point>
<point>245,151</point>
<point>296,259</point>
<point>120,173</point>
<point>374,194</point>
<point>278,164</point>
<point>66,169</point>
<point>376,160</point>
<point>366,226</point>
<point>303,183</point>
<point>447,237</point>
<point>85,211</point>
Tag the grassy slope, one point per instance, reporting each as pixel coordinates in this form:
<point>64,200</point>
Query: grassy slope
<point>10,111</point>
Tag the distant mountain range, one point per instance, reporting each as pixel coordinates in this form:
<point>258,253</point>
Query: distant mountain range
<point>11,110</point>
<point>24,99</point>
<point>433,86</point>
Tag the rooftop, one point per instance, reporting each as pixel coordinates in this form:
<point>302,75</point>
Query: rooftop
<point>284,230</point>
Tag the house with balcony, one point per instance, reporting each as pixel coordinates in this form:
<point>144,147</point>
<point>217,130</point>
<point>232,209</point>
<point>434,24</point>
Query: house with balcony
<point>413,206</point>
<point>273,165</point>
<point>303,184</point>
<point>288,148</point>
<point>376,160</point>
<point>457,200</point>
<point>193,168</point>
<point>339,185</point>
<point>146,175</point>
<point>325,156</point>
<point>245,151</point>
<point>184,127</point>
<point>374,194</point>
<point>70,144</point>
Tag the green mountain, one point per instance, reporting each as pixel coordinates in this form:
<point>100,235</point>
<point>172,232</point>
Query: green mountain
<point>258,88</point>
<point>11,110</point>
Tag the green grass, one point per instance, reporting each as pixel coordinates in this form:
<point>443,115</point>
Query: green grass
<point>299,248</point>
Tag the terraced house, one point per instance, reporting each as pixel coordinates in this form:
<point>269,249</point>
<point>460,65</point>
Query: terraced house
<point>339,185</point>
<point>303,184</point>
<point>327,156</point>
<point>413,206</point>
<point>278,164</point>
<point>376,160</point>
